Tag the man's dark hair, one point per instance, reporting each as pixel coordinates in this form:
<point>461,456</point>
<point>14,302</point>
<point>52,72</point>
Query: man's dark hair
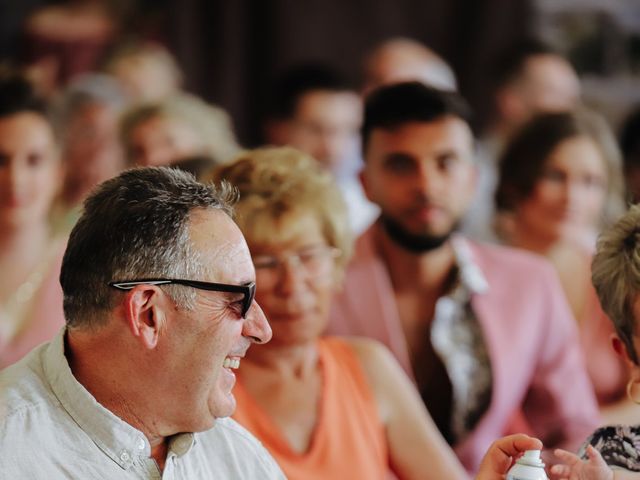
<point>300,80</point>
<point>135,226</point>
<point>510,64</point>
<point>391,106</point>
<point>18,95</point>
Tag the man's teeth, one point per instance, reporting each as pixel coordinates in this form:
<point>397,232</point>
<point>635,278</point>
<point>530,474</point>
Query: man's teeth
<point>231,362</point>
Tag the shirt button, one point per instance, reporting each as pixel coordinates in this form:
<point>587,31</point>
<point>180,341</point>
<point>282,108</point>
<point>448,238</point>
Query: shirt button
<point>124,456</point>
<point>141,444</point>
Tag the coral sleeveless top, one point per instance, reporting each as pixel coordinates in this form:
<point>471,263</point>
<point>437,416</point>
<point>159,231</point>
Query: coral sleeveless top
<point>349,439</point>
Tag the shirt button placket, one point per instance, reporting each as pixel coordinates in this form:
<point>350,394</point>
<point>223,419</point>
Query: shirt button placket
<point>125,458</point>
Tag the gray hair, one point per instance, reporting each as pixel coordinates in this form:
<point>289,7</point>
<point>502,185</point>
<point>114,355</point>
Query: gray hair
<point>88,89</point>
<point>616,274</point>
<point>135,226</point>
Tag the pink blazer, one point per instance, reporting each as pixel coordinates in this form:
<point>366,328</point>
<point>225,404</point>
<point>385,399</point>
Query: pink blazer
<point>536,360</point>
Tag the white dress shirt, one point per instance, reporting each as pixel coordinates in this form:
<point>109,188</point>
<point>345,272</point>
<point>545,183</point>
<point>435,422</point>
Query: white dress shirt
<point>52,428</point>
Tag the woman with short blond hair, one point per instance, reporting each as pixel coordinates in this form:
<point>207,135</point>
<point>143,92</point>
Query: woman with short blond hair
<point>325,407</point>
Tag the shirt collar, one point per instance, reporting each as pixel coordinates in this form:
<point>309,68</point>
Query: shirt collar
<point>470,275</point>
<point>115,437</point>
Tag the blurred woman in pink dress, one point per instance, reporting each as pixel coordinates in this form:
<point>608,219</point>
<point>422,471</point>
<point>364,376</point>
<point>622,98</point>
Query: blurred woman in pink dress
<point>30,252</point>
<point>560,183</point>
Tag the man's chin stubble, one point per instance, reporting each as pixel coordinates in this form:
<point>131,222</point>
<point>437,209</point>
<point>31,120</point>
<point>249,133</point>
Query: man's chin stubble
<point>410,241</point>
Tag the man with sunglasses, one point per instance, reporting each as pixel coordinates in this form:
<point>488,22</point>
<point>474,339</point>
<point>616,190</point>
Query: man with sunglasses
<point>158,296</point>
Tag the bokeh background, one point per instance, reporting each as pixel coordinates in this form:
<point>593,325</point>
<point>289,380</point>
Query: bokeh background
<point>230,50</point>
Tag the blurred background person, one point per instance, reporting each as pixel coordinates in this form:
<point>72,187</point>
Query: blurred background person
<point>227,52</point>
<point>146,70</point>
<point>576,153</point>
<point>200,166</point>
<point>315,110</point>
<point>530,78</point>
<point>68,38</point>
<point>402,59</point>
<point>166,125</point>
<point>180,126</point>
<point>86,117</point>
<point>560,183</point>
<point>30,254</point>
<point>324,407</point>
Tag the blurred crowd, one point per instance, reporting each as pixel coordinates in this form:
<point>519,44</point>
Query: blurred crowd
<point>372,212</point>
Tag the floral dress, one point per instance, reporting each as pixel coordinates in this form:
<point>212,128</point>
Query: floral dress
<point>619,445</point>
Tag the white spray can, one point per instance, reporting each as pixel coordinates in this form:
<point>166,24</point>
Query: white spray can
<point>528,467</point>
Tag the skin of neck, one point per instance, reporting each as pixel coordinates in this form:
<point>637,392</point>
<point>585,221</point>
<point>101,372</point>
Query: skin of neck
<point>408,270</point>
<point>130,397</point>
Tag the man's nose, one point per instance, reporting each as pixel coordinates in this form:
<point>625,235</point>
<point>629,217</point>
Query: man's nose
<point>427,179</point>
<point>256,326</point>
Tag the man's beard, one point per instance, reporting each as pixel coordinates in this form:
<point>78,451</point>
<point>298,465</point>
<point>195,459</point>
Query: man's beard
<point>412,242</point>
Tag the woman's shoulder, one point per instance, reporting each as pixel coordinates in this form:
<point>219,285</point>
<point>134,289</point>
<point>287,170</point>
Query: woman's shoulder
<point>619,445</point>
<point>363,355</point>
<point>375,369</point>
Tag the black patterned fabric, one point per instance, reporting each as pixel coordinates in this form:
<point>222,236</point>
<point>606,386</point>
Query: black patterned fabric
<point>619,445</point>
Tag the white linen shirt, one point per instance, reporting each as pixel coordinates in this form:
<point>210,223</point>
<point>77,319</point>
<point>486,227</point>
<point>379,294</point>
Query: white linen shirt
<point>52,428</point>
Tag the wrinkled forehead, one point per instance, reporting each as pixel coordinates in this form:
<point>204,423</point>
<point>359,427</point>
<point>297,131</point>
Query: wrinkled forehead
<point>221,246</point>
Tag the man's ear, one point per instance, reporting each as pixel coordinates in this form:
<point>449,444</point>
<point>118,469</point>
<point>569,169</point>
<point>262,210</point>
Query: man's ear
<point>145,312</point>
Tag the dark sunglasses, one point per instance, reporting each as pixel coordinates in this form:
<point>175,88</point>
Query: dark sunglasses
<point>248,290</point>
